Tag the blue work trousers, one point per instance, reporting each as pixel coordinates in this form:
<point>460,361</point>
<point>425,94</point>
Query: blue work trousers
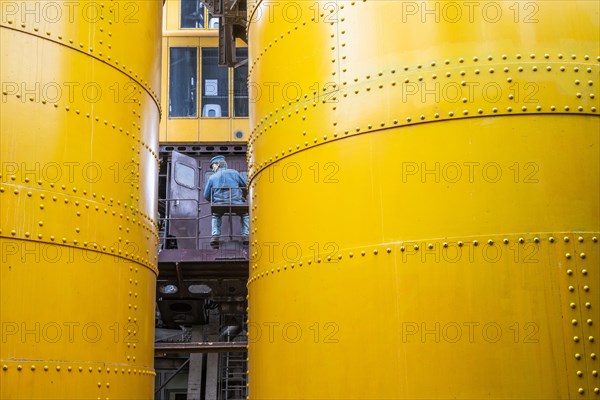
<point>216,224</point>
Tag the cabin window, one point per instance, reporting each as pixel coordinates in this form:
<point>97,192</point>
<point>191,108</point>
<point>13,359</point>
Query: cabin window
<point>185,175</point>
<point>183,81</point>
<point>215,85</point>
<point>240,85</point>
<point>192,14</point>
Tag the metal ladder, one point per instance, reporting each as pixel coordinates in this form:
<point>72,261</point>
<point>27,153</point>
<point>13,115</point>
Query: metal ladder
<point>232,379</point>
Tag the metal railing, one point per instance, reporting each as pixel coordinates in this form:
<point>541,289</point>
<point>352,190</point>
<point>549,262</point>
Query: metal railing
<point>229,191</point>
<point>185,224</point>
<point>168,222</point>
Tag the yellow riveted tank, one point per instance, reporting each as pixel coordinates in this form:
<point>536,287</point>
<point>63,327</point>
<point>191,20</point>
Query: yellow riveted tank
<point>78,235</point>
<point>425,200</point>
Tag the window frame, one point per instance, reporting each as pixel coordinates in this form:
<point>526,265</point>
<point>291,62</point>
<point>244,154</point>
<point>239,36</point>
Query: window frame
<point>230,109</point>
<point>168,111</point>
<point>228,93</point>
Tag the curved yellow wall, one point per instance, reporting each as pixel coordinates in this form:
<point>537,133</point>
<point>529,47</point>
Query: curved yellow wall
<point>425,200</point>
<point>78,152</point>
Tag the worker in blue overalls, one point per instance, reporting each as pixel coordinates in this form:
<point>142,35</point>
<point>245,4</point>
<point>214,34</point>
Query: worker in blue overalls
<point>225,186</point>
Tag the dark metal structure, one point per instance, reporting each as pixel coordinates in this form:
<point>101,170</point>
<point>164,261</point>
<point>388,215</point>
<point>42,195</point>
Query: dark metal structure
<point>232,26</point>
<point>201,290</point>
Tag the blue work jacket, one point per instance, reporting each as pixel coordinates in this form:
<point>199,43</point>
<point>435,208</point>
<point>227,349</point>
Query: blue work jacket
<point>227,186</point>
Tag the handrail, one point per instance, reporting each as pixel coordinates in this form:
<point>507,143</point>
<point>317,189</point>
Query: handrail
<point>213,190</point>
<point>165,221</point>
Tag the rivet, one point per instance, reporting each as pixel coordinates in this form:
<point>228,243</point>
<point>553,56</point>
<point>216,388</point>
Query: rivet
<point>521,240</point>
<point>577,356</point>
<point>416,247</point>
<point>593,356</point>
<point>572,305</point>
<point>568,255</point>
<point>581,391</point>
<point>584,272</point>
<point>579,374</point>
<point>430,246</point>
<point>19,367</point>
<point>571,289</point>
<point>576,339</point>
<point>569,272</point>
<point>388,250</point>
<point>574,322</point>
<point>375,252</point>
<point>362,253</point>
<point>460,243</point>
<point>536,239</point>
<point>589,322</point>
<point>505,241</point>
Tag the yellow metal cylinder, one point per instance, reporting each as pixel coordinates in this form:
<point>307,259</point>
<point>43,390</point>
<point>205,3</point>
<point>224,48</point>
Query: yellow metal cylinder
<point>424,179</point>
<point>78,238</point>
